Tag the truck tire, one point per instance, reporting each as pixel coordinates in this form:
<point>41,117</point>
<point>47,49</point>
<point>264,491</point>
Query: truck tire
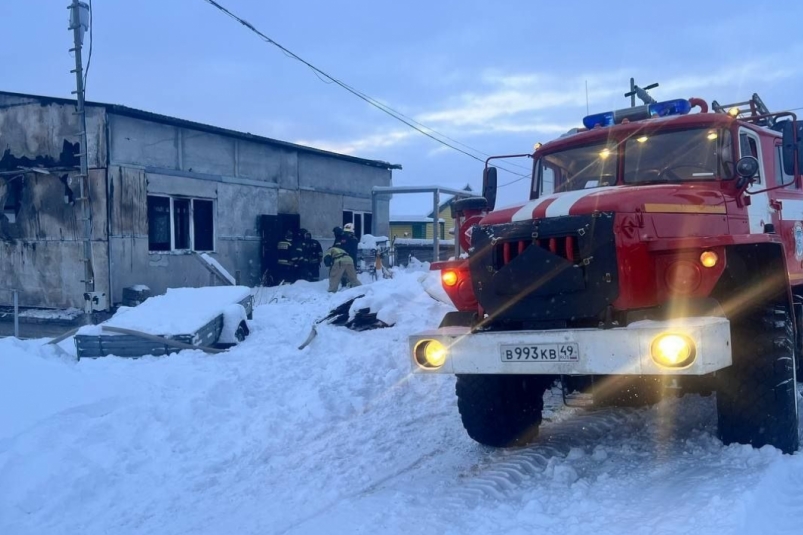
<point>501,410</point>
<point>757,394</point>
<point>241,332</point>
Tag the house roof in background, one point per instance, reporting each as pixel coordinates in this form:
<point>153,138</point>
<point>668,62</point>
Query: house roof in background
<point>412,219</point>
<point>445,203</point>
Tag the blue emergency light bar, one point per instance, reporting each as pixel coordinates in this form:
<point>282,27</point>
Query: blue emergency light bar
<point>659,109</point>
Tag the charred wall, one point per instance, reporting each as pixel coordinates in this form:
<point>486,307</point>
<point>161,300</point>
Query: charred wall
<point>41,234</point>
<point>41,251</point>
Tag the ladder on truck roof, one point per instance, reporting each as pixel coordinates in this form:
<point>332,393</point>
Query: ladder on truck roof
<point>754,107</point>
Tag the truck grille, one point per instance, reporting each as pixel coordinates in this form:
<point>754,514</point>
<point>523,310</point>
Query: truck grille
<point>545,270</point>
<point>565,247</point>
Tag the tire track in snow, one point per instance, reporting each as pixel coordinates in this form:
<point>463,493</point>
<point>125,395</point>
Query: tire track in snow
<point>506,472</point>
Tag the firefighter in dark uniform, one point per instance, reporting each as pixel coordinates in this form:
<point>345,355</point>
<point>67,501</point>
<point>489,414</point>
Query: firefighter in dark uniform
<point>350,242</point>
<point>311,255</point>
<point>288,258</point>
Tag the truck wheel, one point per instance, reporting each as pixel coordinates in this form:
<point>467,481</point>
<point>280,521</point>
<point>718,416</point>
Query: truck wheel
<point>241,332</point>
<point>757,394</point>
<point>501,410</point>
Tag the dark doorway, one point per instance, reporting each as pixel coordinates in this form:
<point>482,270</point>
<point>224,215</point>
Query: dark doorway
<point>272,229</point>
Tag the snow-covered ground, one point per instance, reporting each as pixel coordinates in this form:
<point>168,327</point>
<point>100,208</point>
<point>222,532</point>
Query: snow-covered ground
<point>341,438</point>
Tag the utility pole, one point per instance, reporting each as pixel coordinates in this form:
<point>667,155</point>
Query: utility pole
<point>79,23</point>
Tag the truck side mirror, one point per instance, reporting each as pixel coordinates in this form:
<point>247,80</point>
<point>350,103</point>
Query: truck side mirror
<point>788,147</point>
<point>489,186</point>
<point>746,168</point>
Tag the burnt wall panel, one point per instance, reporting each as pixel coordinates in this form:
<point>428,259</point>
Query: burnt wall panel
<point>49,209</point>
<point>42,134</point>
<point>49,273</point>
<point>129,217</point>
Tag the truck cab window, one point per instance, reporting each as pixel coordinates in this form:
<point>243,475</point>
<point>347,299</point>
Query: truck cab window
<point>677,156</point>
<point>748,146</point>
<point>782,177</point>
<point>578,168</point>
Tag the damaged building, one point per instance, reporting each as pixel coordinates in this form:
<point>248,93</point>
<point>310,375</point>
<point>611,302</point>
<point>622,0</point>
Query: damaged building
<point>161,189</point>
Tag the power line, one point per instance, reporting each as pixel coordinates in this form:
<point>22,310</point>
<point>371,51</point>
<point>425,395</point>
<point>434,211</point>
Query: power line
<point>359,94</point>
<point>89,56</point>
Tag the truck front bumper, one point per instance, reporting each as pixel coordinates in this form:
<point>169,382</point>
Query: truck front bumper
<point>619,351</point>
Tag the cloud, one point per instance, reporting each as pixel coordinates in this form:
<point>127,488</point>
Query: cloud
<point>535,102</point>
<point>364,144</point>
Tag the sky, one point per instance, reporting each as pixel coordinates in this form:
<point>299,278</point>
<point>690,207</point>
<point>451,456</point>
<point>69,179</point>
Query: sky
<point>495,78</point>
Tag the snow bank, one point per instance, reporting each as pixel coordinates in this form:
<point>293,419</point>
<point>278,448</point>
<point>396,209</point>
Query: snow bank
<point>341,437</point>
<point>372,242</point>
<point>233,315</point>
<point>61,314</point>
<point>178,311</point>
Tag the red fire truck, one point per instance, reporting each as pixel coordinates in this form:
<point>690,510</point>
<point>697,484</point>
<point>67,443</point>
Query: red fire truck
<point>660,252</point>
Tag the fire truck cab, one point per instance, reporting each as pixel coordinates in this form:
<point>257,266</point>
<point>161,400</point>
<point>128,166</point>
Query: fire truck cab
<point>660,252</point>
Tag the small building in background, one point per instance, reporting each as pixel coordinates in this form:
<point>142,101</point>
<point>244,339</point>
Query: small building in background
<point>420,226</point>
<point>161,189</point>
<point>412,235</point>
<point>415,227</point>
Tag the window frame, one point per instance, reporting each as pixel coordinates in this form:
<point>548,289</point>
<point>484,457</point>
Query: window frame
<point>191,218</point>
<point>13,199</point>
<point>750,134</point>
<point>353,221</point>
<point>779,171</point>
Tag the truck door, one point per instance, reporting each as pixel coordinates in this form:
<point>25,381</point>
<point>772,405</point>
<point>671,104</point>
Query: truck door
<point>790,216</point>
<point>759,213</point>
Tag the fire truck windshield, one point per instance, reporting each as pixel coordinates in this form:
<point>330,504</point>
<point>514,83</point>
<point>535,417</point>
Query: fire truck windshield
<point>673,156</point>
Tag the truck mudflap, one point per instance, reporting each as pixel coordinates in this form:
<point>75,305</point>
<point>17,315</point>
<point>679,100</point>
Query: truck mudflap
<point>691,346</point>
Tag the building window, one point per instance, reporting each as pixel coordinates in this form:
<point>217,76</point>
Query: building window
<point>11,197</point>
<point>419,231</point>
<point>362,222</point>
<point>180,224</point>
<point>159,224</point>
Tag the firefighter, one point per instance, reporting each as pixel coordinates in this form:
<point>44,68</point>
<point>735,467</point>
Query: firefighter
<point>349,241</point>
<point>288,258</point>
<point>340,263</point>
<point>310,257</point>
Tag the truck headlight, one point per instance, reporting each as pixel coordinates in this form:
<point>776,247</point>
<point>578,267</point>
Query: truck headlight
<point>430,354</point>
<point>673,350</point>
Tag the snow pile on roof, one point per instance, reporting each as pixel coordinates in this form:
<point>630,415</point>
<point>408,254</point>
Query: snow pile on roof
<point>179,311</point>
<point>423,241</point>
<point>56,314</point>
<point>341,438</point>
<point>369,241</point>
<point>412,219</point>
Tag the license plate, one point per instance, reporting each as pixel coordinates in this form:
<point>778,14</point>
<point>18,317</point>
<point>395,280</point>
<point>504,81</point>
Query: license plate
<point>540,352</point>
